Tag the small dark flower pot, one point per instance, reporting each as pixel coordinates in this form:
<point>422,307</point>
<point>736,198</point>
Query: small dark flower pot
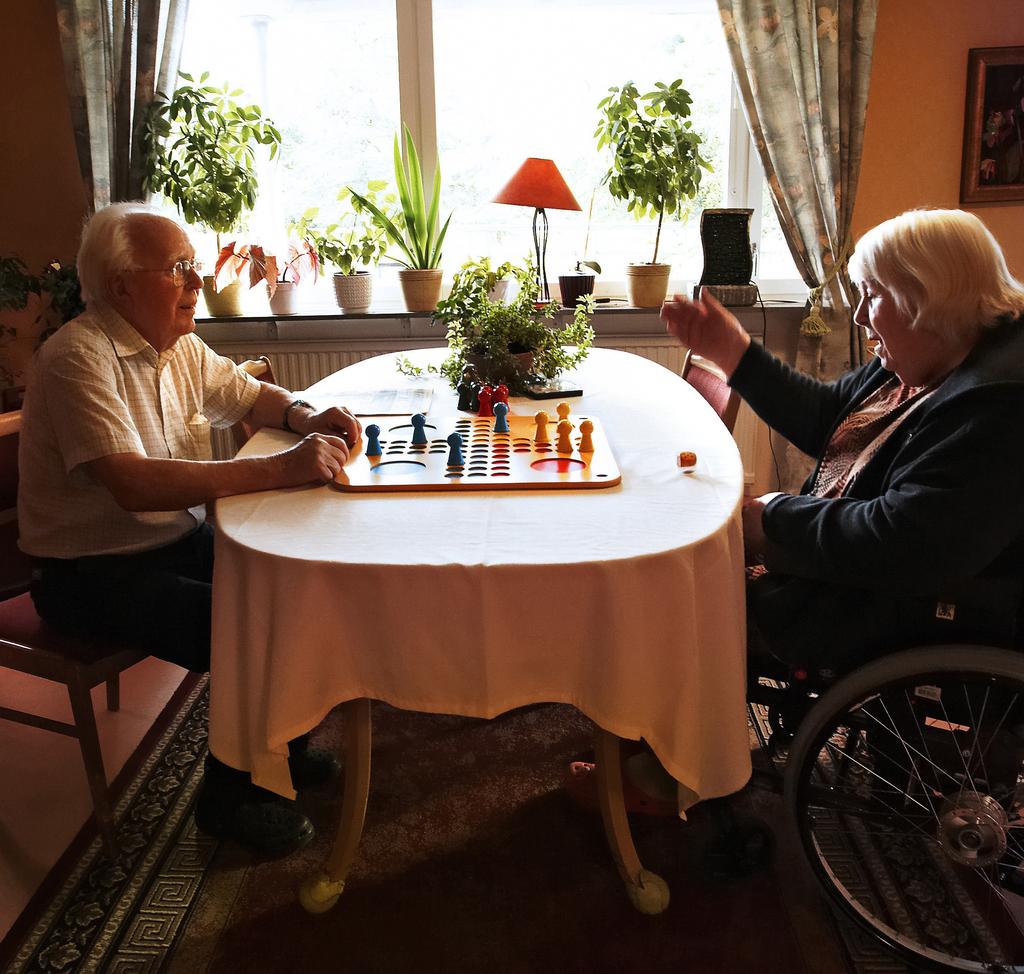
<point>574,286</point>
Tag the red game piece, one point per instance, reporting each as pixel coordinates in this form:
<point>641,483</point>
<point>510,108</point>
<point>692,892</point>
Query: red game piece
<point>486,396</point>
<point>501,394</point>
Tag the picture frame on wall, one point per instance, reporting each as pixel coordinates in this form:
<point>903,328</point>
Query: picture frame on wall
<point>993,161</point>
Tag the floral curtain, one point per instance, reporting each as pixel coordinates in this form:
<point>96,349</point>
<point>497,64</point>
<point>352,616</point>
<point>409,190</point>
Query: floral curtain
<point>802,68</point>
<point>117,54</point>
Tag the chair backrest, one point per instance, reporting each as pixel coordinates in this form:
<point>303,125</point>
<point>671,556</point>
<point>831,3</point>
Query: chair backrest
<point>709,380</point>
<point>15,567</point>
<point>261,369</point>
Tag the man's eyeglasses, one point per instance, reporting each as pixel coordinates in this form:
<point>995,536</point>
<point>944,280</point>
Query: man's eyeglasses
<point>179,272</point>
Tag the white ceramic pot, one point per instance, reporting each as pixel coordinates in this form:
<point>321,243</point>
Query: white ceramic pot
<point>286,298</point>
<point>647,284</point>
<point>498,292</point>
<point>420,288</point>
<point>353,291</point>
<point>225,303</point>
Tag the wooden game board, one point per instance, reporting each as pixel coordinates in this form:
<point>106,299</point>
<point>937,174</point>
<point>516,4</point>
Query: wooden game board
<point>491,461</point>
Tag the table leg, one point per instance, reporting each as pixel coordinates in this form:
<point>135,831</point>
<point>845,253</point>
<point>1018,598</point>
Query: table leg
<point>647,891</point>
<point>320,892</point>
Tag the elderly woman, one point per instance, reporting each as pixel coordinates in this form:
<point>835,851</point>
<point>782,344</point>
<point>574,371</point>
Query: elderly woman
<point>911,527</point>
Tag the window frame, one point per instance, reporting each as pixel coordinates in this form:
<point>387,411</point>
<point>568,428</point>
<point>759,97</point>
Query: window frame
<point>415,29</point>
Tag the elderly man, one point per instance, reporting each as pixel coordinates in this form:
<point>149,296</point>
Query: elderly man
<point>116,468</point>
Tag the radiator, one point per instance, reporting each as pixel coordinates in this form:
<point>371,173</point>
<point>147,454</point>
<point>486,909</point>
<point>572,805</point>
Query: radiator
<point>300,368</point>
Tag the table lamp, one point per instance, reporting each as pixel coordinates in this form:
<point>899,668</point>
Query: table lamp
<point>538,183</point>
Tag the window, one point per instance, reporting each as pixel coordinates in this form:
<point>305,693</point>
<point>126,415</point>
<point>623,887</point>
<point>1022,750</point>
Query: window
<point>495,84</point>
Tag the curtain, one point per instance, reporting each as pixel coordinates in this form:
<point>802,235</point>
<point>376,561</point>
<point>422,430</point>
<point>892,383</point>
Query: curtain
<point>802,68</point>
<point>114,62</point>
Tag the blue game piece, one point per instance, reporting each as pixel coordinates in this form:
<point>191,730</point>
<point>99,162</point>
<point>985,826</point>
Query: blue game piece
<point>372,442</point>
<point>419,436</point>
<point>501,417</point>
<point>455,453</point>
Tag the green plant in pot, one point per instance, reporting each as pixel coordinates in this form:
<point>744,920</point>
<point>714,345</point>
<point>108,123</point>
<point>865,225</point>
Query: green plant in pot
<point>656,167</point>
<point>58,299</point>
<point>516,343</point>
<point>578,283</point>
<point>200,153</point>
<point>352,243</point>
<point>496,279</point>
<point>414,231</point>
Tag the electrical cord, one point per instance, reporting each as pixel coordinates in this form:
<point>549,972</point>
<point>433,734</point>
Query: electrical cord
<point>764,343</point>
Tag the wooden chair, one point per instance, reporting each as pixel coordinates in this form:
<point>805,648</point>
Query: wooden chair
<point>29,645</point>
<point>709,380</point>
<point>261,369</point>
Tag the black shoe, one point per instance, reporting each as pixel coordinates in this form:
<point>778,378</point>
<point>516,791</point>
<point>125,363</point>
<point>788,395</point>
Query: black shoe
<point>263,823</point>
<point>313,767</point>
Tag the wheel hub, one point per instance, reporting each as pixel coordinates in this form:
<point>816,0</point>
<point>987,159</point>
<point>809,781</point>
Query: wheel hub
<point>972,829</point>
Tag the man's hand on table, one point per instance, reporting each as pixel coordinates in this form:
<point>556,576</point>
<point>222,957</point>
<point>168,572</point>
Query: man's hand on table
<point>315,458</point>
<point>335,421</point>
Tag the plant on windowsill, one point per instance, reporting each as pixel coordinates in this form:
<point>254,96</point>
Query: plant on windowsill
<point>282,277</point>
<point>415,229</point>
<point>200,153</point>
<point>656,168</point>
<point>515,343</point>
<point>352,244</point>
<point>58,299</point>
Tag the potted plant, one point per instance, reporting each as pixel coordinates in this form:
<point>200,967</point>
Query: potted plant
<point>415,230</point>
<point>282,277</point>
<point>577,283</point>
<point>199,148</point>
<point>515,343</point>
<point>55,297</point>
<point>656,168</point>
<point>351,244</point>
<point>496,280</point>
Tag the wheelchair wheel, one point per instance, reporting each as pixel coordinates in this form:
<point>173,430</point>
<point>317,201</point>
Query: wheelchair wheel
<point>905,784</point>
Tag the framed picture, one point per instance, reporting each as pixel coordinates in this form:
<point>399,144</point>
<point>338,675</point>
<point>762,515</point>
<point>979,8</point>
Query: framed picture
<point>993,164</point>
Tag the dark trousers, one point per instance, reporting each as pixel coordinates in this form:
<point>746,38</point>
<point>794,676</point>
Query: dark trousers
<point>159,599</point>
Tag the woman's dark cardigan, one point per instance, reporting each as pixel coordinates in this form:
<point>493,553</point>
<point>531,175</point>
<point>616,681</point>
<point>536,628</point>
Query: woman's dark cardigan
<point>932,527</point>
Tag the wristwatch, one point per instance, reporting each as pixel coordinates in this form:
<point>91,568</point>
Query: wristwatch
<point>287,409</point>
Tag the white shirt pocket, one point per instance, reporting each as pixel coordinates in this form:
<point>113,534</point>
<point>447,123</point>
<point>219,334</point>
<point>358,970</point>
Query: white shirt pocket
<point>197,439</point>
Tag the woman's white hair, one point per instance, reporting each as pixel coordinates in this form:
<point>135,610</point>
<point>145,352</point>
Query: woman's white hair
<point>943,268</point>
<point>107,247</point>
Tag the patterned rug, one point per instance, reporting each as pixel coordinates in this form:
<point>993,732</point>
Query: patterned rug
<point>472,860</point>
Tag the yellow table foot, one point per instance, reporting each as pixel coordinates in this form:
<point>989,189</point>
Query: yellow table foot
<point>319,894</point>
<point>650,894</point>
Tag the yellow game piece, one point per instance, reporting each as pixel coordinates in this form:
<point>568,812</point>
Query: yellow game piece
<point>541,419</point>
<point>586,441</point>
<point>564,429</point>
<point>687,460</point>
<point>563,410</point>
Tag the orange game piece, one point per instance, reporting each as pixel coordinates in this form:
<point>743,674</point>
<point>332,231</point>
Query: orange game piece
<point>563,409</point>
<point>564,429</point>
<point>587,440</point>
<point>541,419</point>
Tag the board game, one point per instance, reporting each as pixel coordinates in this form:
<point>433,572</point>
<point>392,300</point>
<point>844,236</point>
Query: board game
<point>466,452</point>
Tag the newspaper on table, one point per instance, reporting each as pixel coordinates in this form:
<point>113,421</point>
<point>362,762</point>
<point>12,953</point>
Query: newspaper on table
<point>380,402</point>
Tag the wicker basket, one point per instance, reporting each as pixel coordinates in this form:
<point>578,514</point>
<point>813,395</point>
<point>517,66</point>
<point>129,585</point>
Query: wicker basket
<point>740,295</point>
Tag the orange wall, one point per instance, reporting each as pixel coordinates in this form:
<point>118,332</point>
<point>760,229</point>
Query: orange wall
<point>915,126</point>
<point>911,154</point>
<point>42,202</point>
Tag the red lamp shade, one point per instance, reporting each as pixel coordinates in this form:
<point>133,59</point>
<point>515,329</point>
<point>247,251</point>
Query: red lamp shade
<point>538,183</point>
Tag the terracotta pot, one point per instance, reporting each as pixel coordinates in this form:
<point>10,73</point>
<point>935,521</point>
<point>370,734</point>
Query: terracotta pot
<point>647,284</point>
<point>286,298</point>
<point>225,303</point>
<point>354,292</point>
<point>421,288</point>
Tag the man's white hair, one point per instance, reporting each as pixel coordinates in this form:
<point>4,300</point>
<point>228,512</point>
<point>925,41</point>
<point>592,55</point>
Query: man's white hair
<point>107,247</point>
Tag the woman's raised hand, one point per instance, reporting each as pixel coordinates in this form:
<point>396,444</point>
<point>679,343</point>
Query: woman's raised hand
<point>708,328</point>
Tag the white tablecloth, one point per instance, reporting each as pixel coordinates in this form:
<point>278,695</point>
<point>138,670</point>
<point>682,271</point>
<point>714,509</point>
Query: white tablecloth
<point>626,602</point>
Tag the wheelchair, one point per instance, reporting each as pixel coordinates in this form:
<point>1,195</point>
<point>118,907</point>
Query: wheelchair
<point>904,782</point>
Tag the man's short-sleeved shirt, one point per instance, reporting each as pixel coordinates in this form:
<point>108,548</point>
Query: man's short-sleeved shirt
<point>99,388</point>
